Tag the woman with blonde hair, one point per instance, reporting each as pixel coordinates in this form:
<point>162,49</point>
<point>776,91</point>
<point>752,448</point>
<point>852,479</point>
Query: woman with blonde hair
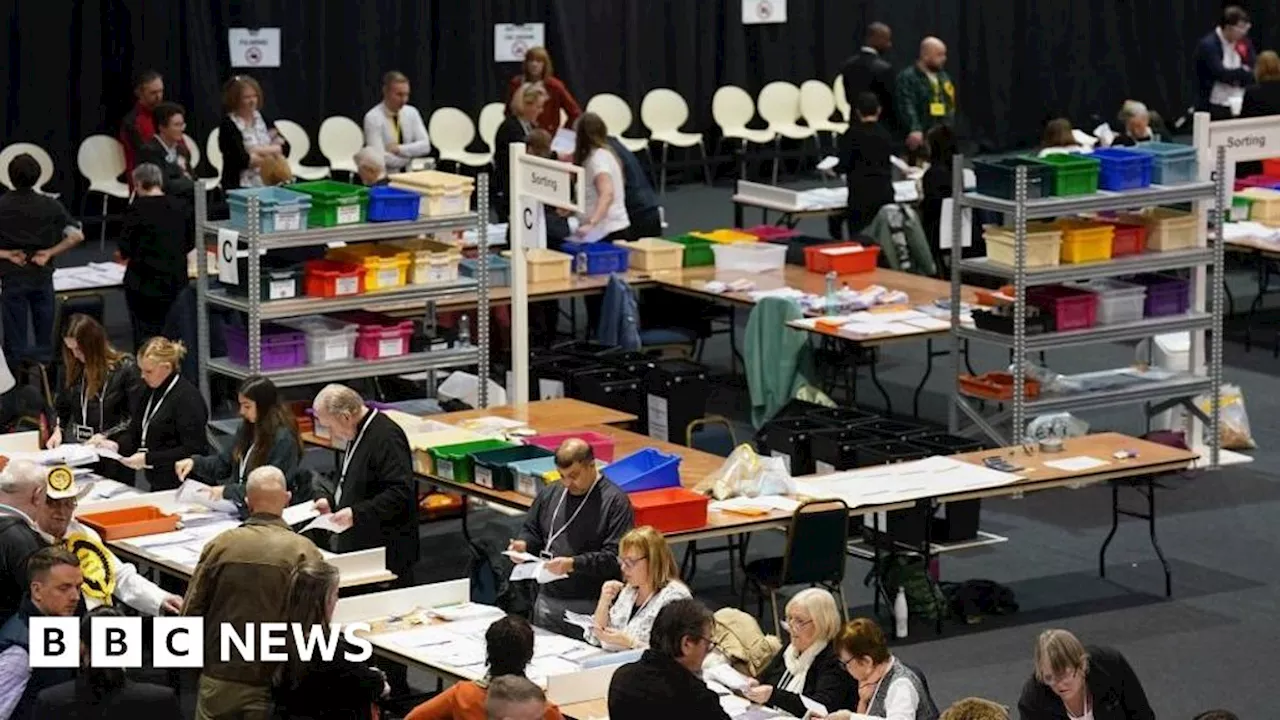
<point>170,423</point>
<point>526,104</point>
<point>885,686</point>
<point>538,68</point>
<point>626,611</point>
<point>807,666</point>
<point>1077,682</point>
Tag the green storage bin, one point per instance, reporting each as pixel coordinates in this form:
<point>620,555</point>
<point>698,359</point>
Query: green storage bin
<point>697,251</point>
<point>455,462</point>
<point>1072,174</point>
<point>335,203</point>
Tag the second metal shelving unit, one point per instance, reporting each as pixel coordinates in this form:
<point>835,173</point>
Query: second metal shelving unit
<point>257,311</point>
<point>1158,395</point>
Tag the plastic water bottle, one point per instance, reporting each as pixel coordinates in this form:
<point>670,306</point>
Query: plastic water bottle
<point>464,331</point>
<point>831,292</point>
<point>900,614</point>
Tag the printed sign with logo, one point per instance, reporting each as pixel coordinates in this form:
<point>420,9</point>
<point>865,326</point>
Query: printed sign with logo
<point>254,48</point>
<point>761,12</point>
<point>512,40</point>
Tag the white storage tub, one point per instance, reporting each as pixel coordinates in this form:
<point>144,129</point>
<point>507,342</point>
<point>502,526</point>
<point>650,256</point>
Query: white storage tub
<point>443,194</point>
<point>752,257</point>
<point>1118,301</point>
<point>328,339</point>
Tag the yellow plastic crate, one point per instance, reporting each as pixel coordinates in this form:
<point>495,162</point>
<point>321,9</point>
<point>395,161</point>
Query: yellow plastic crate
<point>1264,205</point>
<point>653,254</point>
<point>1168,229</point>
<point>384,268</point>
<point>432,261</point>
<point>1044,245</point>
<point>1084,241</point>
<point>726,236</point>
<point>548,265</point>
<point>442,193</point>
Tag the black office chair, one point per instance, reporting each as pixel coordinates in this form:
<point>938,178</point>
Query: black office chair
<point>816,542</point>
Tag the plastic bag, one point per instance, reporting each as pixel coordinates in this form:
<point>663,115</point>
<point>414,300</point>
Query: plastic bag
<point>1233,425</point>
<point>746,474</point>
<point>1057,425</point>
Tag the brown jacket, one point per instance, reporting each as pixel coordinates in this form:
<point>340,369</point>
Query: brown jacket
<point>242,578</point>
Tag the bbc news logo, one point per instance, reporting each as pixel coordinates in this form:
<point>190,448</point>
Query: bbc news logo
<point>178,642</point>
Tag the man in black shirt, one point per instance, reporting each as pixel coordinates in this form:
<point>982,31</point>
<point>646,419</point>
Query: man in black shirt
<point>666,682</point>
<point>865,149</point>
<point>22,493</point>
<point>34,229</point>
<point>575,526</point>
<point>869,71</point>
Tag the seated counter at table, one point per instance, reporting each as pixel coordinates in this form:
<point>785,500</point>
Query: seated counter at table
<point>576,526</point>
<point>808,665</point>
<point>650,581</point>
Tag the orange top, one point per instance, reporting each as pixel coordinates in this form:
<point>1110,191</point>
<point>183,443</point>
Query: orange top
<point>464,701</point>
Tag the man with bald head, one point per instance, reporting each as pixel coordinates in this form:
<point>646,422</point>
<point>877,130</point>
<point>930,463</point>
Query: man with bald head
<point>242,578</point>
<point>575,526</point>
<point>869,71</point>
<point>22,495</point>
<point>925,95</point>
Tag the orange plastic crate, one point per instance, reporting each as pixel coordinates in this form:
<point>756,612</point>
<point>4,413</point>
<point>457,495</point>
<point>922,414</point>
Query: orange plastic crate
<point>670,509</point>
<point>130,522</point>
<point>844,258</point>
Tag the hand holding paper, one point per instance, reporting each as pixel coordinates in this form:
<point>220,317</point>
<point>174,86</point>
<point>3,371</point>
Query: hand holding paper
<point>335,523</point>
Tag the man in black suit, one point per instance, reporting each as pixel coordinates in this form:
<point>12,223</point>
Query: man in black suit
<point>1224,64</point>
<point>168,151</point>
<point>869,71</point>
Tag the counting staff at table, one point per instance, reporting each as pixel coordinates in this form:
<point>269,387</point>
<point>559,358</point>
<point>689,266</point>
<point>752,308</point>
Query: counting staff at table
<point>576,526</point>
<point>171,423</point>
<point>268,435</point>
<point>22,486</point>
<point>101,393</point>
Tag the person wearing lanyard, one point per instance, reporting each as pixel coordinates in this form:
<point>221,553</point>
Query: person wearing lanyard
<point>267,435</point>
<point>101,395</point>
<point>171,424</point>
<point>625,614</point>
<point>576,527</point>
<point>394,126</point>
<point>925,95</point>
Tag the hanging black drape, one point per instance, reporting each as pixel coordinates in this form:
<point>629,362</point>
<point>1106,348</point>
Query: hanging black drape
<point>1016,62</point>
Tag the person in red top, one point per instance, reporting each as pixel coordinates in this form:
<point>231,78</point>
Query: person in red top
<point>538,69</point>
<point>139,125</point>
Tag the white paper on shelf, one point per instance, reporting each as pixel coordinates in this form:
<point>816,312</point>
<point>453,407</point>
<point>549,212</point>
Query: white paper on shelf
<point>325,522</point>
<point>66,454</point>
<point>1073,464</point>
<point>301,512</point>
<point>180,554</point>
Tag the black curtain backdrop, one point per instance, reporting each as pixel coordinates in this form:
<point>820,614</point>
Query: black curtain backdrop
<point>1016,62</point>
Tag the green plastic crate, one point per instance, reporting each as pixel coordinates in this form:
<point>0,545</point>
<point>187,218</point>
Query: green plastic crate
<point>697,251</point>
<point>455,462</point>
<point>1073,174</point>
<point>335,203</point>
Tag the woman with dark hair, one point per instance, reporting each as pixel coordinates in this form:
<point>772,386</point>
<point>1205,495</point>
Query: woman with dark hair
<point>268,435</point>
<point>509,648</point>
<point>605,193</point>
<point>104,693</point>
<point>249,142</point>
<point>100,395</point>
<point>936,186</point>
<point>316,688</point>
<point>538,68</point>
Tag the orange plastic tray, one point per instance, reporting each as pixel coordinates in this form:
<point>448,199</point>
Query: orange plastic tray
<point>130,522</point>
<point>670,509</point>
<point>996,386</point>
<point>821,259</point>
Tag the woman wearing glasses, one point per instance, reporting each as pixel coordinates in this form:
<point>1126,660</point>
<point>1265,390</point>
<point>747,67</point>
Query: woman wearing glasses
<point>624,616</point>
<point>1074,682</point>
<point>886,687</point>
<point>808,666</point>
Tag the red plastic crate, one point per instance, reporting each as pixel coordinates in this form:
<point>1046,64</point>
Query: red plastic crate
<point>1129,239</point>
<point>1071,308</point>
<point>1271,167</point>
<point>815,260</point>
<point>330,278</point>
<point>670,509</point>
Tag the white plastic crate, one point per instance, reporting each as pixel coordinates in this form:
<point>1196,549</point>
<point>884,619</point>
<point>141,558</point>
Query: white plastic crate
<point>328,339</point>
<point>752,257</point>
<point>1118,301</point>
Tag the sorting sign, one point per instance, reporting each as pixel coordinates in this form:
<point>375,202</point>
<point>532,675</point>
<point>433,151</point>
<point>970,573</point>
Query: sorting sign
<point>255,48</point>
<point>758,12</point>
<point>228,268</point>
<point>512,40</point>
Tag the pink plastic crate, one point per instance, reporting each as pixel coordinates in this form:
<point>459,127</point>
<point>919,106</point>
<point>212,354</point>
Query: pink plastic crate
<point>379,336</point>
<point>601,445</point>
<point>772,232</point>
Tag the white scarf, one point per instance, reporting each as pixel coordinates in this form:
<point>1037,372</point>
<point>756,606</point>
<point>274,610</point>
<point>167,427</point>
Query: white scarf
<point>798,664</point>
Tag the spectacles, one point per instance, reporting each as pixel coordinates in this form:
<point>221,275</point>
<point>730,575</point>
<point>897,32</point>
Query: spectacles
<point>845,663</point>
<point>711,644</point>
<point>628,563</point>
<point>792,624</point>
<point>1055,679</point>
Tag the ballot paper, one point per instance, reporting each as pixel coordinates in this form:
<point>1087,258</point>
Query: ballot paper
<point>66,454</point>
<point>194,492</point>
<point>108,453</point>
<point>545,667</point>
<point>466,611</point>
<point>1074,464</point>
<point>564,141</point>
<point>535,570</point>
<point>520,557</point>
<point>828,163</point>
<point>763,502</point>
<point>726,676</point>
<point>301,512</point>
<point>422,637</point>
<point>325,522</point>
<point>162,539</point>
<point>582,620</point>
<point>813,706</point>
<point>551,645</point>
<point>459,652</point>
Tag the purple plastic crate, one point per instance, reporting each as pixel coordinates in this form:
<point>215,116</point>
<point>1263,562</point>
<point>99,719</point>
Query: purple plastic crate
<point>282,348</point>
<point>1166,295</point>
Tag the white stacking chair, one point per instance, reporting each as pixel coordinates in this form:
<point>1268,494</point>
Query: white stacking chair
<point>841,98</point>
<point>732,108</point>
<point>101,162</point>
<point>663,111</point>
<point>617,119</point>
<point>491,117</point>
<point>452,131</point>
<point>42,158</point>
<point>817,105</point>
<point>340,139</point>
<point>564,118</point>
<point>194,148</point>
<point>779,105</point>
<point>213,154</point>
<point>299,147</point>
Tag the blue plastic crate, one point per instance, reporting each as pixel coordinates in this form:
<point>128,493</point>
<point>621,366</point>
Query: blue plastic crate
<point>388,204</point>
<point>279,210</point>
<point>597,258</point>
<point>499,270</point>
<point>1173,164</point>
<point>1123,169</point>
<point>646,469</point>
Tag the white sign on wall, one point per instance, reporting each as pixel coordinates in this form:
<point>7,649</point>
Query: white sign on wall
<point>228,246</point>
<point>254,48</point>
<point>512,40</point>
<point>760,12</point>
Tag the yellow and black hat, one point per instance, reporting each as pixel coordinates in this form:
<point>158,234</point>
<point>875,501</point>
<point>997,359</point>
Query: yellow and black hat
<point>62,483</point>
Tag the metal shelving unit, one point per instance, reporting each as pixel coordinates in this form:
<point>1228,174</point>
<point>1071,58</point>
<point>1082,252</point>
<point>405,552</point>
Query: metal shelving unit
<point>257,310</point>
<point>1157,395</point>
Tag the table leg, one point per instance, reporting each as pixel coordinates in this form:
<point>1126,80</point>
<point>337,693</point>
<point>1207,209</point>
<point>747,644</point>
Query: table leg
<point>928,370</point>
<point>738,214</point>
<point>1262,278</point>
<point>1150,516</point>
<point>875,380</point>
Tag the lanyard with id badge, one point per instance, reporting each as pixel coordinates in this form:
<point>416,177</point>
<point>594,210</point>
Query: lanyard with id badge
<point>83,430</point>
<point>346,458</point>
<point>937,108</point>
<point>546,553</point>
<point>150,413</point>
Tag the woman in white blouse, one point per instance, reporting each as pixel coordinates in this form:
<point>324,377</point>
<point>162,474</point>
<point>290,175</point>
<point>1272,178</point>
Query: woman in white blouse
<point>606,192</point>
<point>626,611</point>
<point>247,139</point>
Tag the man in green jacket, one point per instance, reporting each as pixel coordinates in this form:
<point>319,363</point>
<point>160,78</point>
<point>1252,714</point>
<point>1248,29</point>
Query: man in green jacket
<point>925,95</point>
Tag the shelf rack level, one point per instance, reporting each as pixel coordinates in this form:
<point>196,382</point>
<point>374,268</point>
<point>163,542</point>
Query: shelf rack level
<point>1157,396</point>
<point>256,311</point>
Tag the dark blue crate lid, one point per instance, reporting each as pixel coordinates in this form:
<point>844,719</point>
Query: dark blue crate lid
<point>383,192</point>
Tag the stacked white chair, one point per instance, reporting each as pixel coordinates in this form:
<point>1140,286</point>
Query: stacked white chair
<point>817,105</point>
<point>617,119</point>
<point>194,148</point>
<point>663,111</point>
<point>841,97</point>
<point>340,139</point>
<point>42,158</point>
<point>491,117</point>
<point>214,155</point>
<point>732,108</point>
<point>779,104</point>
<point>299,147</point>
<point>451,131</point>
<point>101,162</point>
